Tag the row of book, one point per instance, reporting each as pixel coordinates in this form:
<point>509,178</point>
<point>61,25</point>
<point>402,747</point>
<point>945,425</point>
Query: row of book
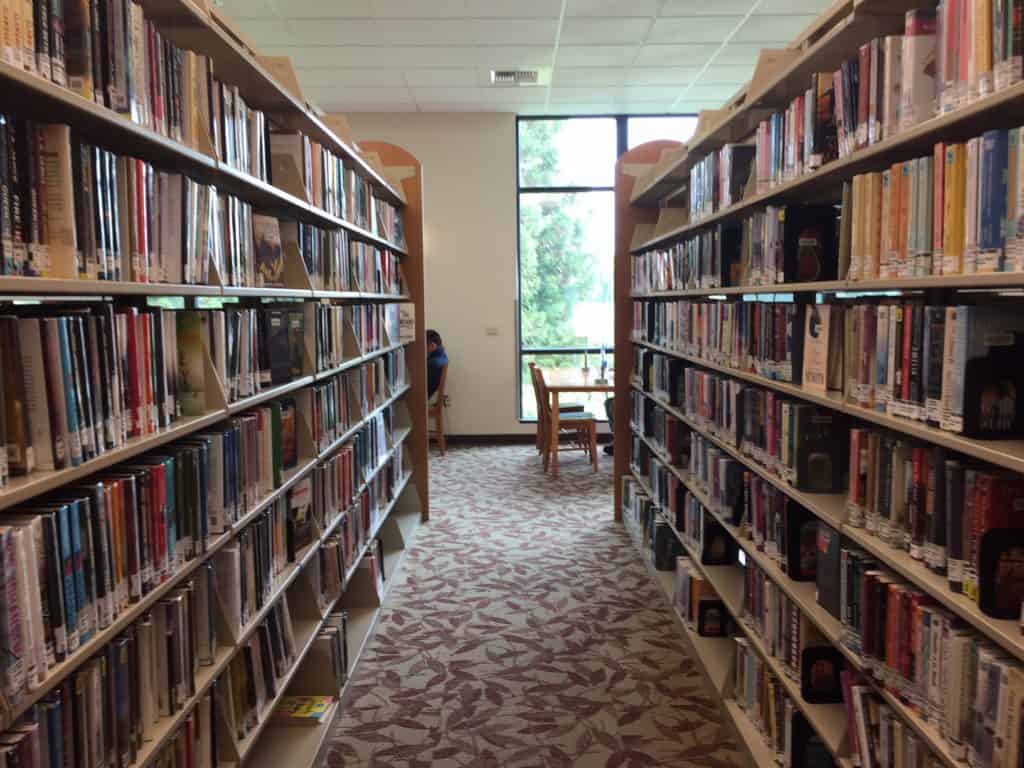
<point>80,383</point>
<point>336,340</point>
<point>968,690</point>
<point>74,210</point>
<point>954,212</point>
<point>949,366</point>
<point>117,57</point>
<point>884,638</point>
<point>345,399</point>
<point>764,699</point>
<point>755,688</point>
<point>323,178</point>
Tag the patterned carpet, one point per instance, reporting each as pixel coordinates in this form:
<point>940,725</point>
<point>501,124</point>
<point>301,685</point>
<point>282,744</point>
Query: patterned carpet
<point>524,632</point>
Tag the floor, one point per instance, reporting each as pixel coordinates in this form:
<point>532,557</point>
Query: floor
<point>524,631</point>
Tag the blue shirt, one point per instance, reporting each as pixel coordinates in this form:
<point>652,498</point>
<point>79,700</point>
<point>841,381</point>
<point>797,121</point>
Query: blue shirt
<point>436,361</point>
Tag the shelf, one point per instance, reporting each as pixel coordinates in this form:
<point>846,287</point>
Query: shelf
<point>356,361</point>
<point>340,441</point>
<point>34,287</point>
<point>828,720</point>
<point>1003,453</point>
<point>293,744</point>
<point>184,22</point>
<point>47,101</point>
<point>21,489</point>
<point>838,43</point>
<point>268,394</point>
<point>990,281</point>
<point>715,657</point>
<point>830,507</point>
<point>804,595</point>
<point>762,754</point>
<point>1002,109</point>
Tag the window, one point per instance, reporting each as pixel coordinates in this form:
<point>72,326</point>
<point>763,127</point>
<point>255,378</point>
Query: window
<point>567,242</point>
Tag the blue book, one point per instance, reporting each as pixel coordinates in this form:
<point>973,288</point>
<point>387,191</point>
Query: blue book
<point>70,591</point>
<point>170,516</point>
<point>70,391</point>
<point>78,570</point>
<point>992,208</point>
<point>53,719</point>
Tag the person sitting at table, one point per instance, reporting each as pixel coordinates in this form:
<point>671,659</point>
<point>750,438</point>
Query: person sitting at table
<point>437,359</point>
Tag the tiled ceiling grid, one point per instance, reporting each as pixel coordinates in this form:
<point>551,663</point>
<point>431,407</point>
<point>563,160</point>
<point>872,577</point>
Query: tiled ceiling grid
<point>603,56</point>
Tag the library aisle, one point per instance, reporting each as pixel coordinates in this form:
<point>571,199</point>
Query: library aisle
<point>524,631</point>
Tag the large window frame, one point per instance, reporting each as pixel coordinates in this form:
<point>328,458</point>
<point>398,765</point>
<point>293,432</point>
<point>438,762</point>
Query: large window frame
<point>622,146</point>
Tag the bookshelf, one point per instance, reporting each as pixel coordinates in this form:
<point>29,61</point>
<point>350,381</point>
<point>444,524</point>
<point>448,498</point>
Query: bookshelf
<point>389,489</point>
<point>653,189</point>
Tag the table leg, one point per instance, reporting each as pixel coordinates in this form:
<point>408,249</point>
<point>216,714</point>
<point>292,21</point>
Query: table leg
<point>554,434</point>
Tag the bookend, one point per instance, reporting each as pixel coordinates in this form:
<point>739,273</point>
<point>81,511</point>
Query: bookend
<point>288,178</point>
<point>350,347</point>
<point>295,273</point>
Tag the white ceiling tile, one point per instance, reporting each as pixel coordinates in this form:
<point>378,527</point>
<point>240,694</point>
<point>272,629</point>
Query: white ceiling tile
<point>772,29</point>
<point>580,95</point>
<point>701,91</point>
<point>652,92</point>
<point>368,107</point>
<point>380,31</point>
<point>442,76</point>
<point>519,9</point>
<point>323,9</point>
<point>661,75</point>
<point>739,53</point>
<point>697,29</point>
<point>793,6</point>
<point>331,76</point>
<point>564,76</point>
<point>595,55</point>
<point>581,31</point>
<point>692,55</point>
<point>269,32</point>
<point>361,94</point>
<point>512,56</point>
<point>456,106</point>
<point>611,8</point>
<point>511,31</point>
<point>417,9</point>
<point>237,10</point>
<point>727,73</point>
<point>717,8</point>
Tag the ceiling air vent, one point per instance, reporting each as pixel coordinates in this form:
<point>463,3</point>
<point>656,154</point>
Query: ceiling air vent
<point>515,77</point>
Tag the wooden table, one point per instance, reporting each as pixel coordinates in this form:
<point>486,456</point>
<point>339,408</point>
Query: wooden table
<point>563,380</point>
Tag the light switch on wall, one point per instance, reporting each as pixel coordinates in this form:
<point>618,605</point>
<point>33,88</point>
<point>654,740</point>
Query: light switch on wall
<point>491,330</point>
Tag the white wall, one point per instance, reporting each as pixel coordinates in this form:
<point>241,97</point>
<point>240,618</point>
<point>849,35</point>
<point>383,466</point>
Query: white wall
<point>470,240</point>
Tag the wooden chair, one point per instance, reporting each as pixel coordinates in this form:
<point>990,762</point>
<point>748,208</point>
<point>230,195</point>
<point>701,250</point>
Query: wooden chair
<point>579,427</point>
<point>541,423</point>
<point>435,411</point>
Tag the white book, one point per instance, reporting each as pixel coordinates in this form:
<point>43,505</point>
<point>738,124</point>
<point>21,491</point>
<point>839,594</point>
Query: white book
<point>144,634</point>
<point>891,79</point>
<point>227,567</point>
<point>34,370</point>
<point>25,536</point>
<point>918,72</point>
<point>971,210</point>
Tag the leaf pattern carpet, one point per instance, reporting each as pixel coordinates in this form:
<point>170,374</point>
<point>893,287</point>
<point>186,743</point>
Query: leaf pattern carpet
<point>524,631</point>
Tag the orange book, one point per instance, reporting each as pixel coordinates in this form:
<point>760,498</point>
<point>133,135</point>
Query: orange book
<point>892,239</point>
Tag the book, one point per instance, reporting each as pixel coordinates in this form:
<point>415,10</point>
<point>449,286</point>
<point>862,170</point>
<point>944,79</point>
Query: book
<point>303,711</point>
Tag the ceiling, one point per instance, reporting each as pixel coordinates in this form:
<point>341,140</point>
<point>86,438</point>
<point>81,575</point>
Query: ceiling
<point>603,56</point>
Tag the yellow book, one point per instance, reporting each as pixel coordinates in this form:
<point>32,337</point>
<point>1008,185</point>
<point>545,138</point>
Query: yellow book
<point>953,213</point>
<point>856,240</point>
<point>873,224</point>
<point>28,36</point>
<point>983,46</point>
<point>885,203</point>
<point>893,234</point>
<point>302,710</point>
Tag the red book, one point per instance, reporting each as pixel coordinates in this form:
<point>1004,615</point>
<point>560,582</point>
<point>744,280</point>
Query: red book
<point>863,94</point>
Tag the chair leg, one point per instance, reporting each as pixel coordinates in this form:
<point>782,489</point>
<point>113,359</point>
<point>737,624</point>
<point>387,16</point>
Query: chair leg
<point>441,440</point>
<point>593,445</point>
